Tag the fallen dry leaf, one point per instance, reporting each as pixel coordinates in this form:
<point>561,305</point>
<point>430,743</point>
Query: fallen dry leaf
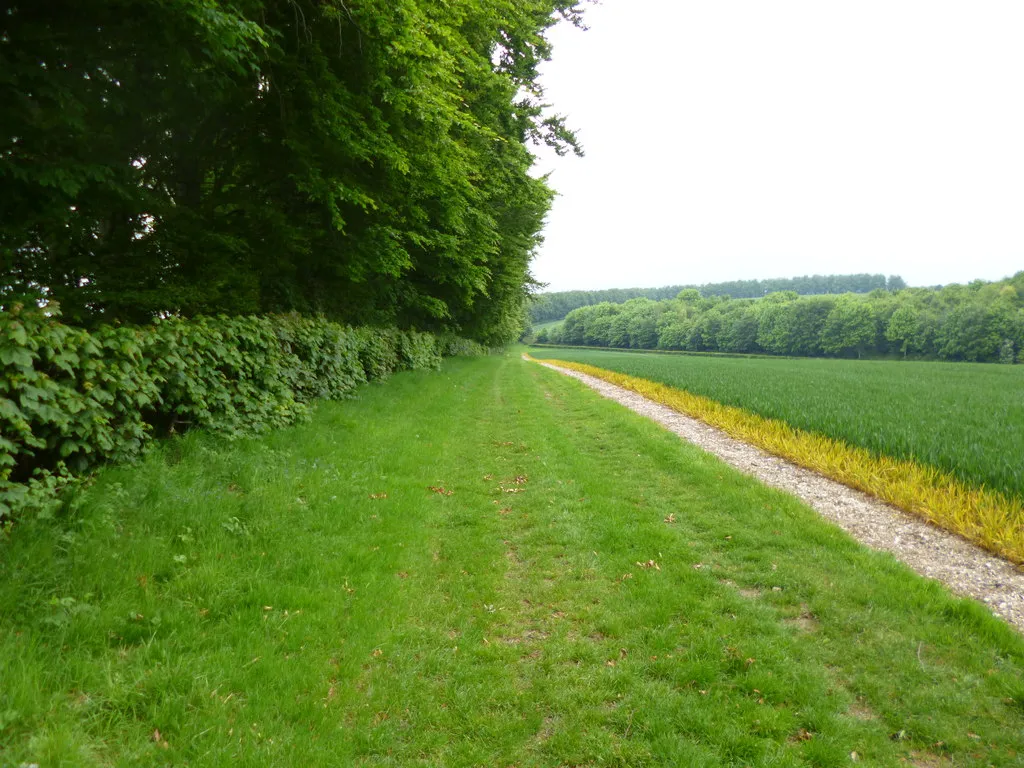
<point>670,519</point>
<point>377,653</point>
<point>378,495</point>
<point>440,489</point>
<point>650,564</point>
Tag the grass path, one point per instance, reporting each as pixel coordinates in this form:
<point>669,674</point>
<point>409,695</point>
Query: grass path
<point>580,588</point>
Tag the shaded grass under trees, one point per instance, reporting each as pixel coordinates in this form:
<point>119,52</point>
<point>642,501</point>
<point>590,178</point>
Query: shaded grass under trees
<point>71,399</point>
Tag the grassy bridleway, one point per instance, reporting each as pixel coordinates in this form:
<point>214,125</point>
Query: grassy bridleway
<point>492,566</point>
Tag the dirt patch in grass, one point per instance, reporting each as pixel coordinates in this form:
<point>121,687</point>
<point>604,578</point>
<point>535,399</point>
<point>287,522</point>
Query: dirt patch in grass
<point>859,710</point>
<point>926,760</point>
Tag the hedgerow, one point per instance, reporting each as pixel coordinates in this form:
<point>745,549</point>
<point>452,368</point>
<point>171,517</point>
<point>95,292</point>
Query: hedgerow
<point>72,398</point>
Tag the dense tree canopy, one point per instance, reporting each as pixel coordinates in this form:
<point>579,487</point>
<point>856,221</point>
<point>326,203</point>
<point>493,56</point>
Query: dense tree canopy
<point>367,159</point>
<point>556,305</point>
<point>980,322</point>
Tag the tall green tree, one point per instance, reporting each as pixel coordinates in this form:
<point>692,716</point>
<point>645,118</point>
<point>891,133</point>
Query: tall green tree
<point>366,159</point>
<point>849,328</point>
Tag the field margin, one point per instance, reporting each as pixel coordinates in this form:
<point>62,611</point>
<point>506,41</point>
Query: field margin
<point>984,517</point>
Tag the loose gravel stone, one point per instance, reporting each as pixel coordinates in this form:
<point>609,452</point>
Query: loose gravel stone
<point>933,552</point>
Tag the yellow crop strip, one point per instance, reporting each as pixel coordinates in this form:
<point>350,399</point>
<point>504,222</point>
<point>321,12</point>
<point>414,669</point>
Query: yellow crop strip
<point>985,517</point>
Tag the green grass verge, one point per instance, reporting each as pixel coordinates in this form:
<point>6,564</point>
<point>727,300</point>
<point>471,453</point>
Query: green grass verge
<point>966,419</point>
<point>250,604</point>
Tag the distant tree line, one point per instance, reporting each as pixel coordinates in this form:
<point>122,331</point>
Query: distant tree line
<point>807,285</point>
<point>979,322</point>
<point>556,305</point>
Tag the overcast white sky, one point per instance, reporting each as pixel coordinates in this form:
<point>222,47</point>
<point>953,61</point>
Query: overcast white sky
<point>733,139</point>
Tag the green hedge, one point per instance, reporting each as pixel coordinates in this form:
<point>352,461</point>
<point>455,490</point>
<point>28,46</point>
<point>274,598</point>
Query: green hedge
<point>71,398</point>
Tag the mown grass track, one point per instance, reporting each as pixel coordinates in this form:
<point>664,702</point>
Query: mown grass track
<point>251,604</point>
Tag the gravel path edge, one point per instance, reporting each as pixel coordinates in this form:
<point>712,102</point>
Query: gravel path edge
<point>963,567</point>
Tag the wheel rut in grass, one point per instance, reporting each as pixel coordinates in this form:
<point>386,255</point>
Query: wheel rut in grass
<point>932,552</point>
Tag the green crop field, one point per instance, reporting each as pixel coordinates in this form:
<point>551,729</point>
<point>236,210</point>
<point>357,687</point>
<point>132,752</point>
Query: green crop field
<point>538,327</point>
<point>967,419</point>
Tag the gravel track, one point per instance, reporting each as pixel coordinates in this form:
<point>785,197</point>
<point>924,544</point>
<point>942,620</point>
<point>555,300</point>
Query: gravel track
<point>965,568</point>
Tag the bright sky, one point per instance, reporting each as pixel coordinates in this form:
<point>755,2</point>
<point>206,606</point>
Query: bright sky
<point>736,139</point>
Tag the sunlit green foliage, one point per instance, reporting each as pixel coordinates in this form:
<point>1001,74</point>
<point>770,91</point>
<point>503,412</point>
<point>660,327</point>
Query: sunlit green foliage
<point>365,159</point>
